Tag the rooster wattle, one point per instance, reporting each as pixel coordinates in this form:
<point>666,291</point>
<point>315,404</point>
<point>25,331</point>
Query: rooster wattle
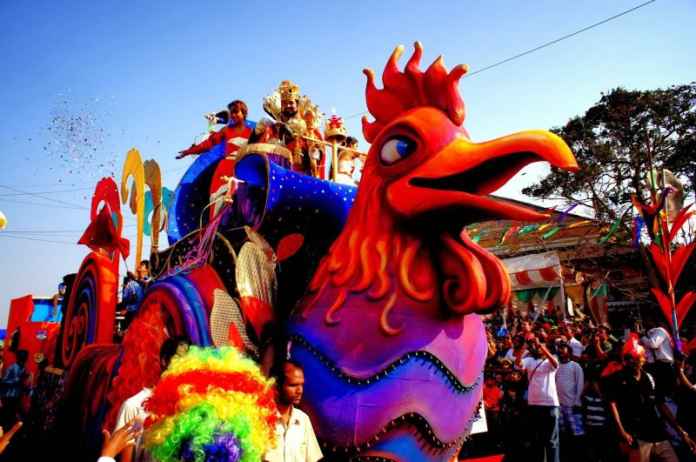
<point>388,332</point>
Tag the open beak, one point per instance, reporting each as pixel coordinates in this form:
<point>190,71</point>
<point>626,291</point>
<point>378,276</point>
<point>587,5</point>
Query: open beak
<point>464,174</point>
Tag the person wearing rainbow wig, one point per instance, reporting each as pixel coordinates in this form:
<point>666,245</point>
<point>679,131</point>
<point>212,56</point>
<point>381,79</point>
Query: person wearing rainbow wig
<point>211,405</point>
<point>639,410</point>
<point>133,408</point>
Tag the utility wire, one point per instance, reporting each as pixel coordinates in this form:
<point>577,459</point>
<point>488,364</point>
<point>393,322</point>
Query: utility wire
<point>61,185</point>
<point>41,196</point>
<point>54,231</point>
<point>55,191</point>
<point>36,239</point>
<point>540,47</point>
<point>560,39</point>
<point>43,204</point>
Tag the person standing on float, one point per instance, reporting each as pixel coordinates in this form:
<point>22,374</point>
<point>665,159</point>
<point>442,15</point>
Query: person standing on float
<point>235,135</point>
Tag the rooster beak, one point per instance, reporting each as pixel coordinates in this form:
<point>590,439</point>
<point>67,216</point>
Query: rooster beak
<point>463,174</point>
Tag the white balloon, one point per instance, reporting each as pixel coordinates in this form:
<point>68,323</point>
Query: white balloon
<point>3,221</point>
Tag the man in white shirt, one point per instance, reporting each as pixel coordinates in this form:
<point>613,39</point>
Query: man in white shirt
<point>519,348</point>
<point>295,438</point>
<point>541,367</point>
<point>659,356</point>
<point>570,382</point>
<point>576,347</point>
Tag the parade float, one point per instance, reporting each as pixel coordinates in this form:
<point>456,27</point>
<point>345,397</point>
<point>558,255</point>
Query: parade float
<point>376,290</point>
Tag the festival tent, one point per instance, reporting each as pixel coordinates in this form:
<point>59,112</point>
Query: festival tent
<point>536,280</point>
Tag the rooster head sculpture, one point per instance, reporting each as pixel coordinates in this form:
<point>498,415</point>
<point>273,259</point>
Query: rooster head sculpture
<point>388,332</point>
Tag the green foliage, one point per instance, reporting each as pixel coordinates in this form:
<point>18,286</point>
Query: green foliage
<point>615,142</point>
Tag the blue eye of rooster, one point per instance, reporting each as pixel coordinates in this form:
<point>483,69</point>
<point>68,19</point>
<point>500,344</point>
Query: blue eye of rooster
<point>396,149</point>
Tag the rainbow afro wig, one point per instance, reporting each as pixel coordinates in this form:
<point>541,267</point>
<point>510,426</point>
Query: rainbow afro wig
<point>211,405</point>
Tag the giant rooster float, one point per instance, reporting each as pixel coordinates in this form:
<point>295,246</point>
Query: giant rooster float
<point>389,332</point>
<point>377,292</point>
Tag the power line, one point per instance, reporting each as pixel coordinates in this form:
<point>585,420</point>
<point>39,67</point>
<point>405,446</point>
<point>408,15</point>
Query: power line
<point>53,231</point>
<point>567,36</point>
<point>30,232</point>
<point>60,185</point>
<point>540,47</point>
<point>41,196</point>
<point>36,239</point>
<point>43,204</point>
<point>55,191</point>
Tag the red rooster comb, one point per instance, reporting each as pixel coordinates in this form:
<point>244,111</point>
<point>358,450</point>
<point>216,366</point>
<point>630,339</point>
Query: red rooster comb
<point>436,87</point>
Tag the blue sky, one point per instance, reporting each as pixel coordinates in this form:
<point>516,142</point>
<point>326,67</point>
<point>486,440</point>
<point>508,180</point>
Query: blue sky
<point>136,75</point>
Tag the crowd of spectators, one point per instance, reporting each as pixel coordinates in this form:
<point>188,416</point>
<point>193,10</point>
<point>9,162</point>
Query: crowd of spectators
<point>571,390</point>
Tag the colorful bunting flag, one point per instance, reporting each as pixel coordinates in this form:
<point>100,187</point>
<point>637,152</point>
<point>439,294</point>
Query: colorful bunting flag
<point>528,229</point>
<point>551,232</point>
<point>560,218</point>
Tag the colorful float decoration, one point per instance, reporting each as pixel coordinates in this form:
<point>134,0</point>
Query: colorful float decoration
<point>91,308</point>
<point>211,404</point>
<point>663,215</point>
<point>378,288</point>
<point>388,331</point>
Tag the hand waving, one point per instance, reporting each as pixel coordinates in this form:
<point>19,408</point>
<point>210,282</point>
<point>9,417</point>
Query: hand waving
<point>121,439</point>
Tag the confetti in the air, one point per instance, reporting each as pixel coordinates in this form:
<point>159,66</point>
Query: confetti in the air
<point>77,141</point>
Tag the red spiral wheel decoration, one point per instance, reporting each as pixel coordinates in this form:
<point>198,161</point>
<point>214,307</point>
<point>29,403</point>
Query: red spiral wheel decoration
<point>89,317</point>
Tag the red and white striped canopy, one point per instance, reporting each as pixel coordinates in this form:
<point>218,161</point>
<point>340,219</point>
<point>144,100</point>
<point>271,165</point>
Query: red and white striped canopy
<point>536,270</point>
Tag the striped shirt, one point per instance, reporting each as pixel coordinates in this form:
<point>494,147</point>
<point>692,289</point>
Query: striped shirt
<point>594,411</point>
<point>569,383</point>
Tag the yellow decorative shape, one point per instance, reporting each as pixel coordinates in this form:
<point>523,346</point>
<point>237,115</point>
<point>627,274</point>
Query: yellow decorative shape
<point>133,166</point>
<point>153,179</point>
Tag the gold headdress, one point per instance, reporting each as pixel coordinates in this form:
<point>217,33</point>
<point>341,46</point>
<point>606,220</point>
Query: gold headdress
<point>307,108</point>
<point>288,91</point>
<point>335,129</point>
<point>271,104</point>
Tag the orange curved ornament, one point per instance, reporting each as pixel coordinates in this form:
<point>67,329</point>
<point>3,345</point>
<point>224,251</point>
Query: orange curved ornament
<point>384,317</point>
<point>368,271</point>
<point>153,180</point>
<point>337,304</point>
<point>133,166</point>
<point>342,278</point>
<point>406,283</point>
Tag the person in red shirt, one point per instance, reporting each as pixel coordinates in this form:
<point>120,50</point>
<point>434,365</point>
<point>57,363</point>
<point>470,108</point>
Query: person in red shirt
<point>492,394</point>
<point>235,135</point>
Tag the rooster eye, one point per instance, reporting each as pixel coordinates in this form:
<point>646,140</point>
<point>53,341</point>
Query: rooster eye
<point>396,149</point>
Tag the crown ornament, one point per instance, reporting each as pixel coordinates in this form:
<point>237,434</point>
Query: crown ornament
<point>288,91</point>
<point>334,129</point>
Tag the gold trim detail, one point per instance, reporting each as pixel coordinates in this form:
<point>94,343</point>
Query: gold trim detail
<point>264,148</point>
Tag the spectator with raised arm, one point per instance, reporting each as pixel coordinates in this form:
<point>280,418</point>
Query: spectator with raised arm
<point>542,397</point>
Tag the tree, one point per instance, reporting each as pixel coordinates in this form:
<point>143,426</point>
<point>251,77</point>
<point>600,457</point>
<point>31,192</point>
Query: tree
<point>617,140</point>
